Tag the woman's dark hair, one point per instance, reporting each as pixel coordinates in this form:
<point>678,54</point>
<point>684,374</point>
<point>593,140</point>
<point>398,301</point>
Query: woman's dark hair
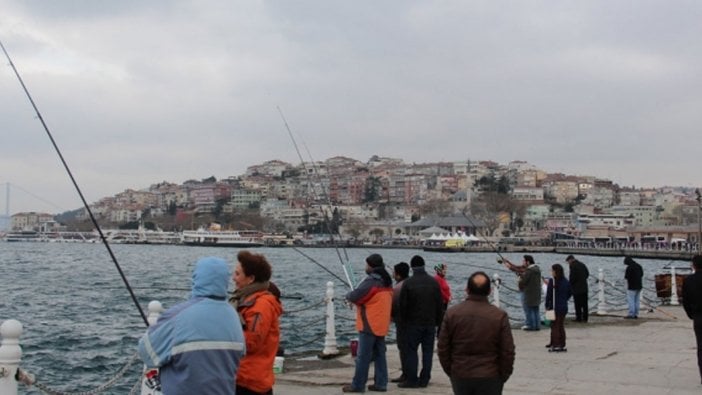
<point>402,269</point>
<point>254,265</point>
<point>557,271</point>
<point>273,289</point>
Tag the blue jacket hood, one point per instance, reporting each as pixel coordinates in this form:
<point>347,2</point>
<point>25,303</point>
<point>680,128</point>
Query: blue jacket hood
<point>211,277</point>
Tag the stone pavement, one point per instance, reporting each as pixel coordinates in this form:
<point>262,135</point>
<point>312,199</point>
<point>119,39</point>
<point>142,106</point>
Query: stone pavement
<point>655,354</point>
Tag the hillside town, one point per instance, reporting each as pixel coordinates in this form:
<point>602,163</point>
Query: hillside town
<point>386,200</point>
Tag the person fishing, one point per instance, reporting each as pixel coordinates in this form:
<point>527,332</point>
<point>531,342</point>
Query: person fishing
<point>198,344</point>
<point>257,301</point>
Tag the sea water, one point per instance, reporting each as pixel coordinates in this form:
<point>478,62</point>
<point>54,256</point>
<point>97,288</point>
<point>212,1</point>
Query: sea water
<point>81,325</point>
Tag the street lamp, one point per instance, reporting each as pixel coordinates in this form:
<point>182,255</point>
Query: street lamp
<point>699,223</point>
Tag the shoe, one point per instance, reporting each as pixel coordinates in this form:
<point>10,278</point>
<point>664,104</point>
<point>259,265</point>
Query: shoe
<point>548,345</point>
<point>349,388</point>
<point>576,320</point>
<point>398,380</point>
<point>407,384</point>
<point>423,385</point>
<point>629,317</point>
<point>525,328</point>
<point>373,387</point>
<point>557,349</point>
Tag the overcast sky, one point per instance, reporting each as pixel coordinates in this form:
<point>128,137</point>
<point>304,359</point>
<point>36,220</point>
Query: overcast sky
<point>138,92</point>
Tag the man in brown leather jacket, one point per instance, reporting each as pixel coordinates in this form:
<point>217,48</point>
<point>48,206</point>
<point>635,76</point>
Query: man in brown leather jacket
<point>475,347</point>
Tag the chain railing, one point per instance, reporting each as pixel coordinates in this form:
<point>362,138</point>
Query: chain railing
<point>30,380</point>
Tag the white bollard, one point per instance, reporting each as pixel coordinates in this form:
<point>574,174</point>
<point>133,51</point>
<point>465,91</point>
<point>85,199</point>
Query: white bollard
<point>601,306</point>
<point>330,347</point>
<point>10,356</point>
<point>155,309</point>
<point>149,379</point>
<point>673,288</point>
<point>496,290</point>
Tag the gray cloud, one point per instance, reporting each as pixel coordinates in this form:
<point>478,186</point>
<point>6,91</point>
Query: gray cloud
<point>137,92</point>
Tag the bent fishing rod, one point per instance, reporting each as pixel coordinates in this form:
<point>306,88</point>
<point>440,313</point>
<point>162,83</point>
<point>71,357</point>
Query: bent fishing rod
<point>75,184</point>
<point>349,280</point>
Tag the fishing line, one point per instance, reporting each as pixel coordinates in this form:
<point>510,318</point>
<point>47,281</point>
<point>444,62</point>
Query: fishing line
<point>296,297</point>
<point>349,281</point>
<point>75,184</point>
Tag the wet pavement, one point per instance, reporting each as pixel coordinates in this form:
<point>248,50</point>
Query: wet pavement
<point>654,354</point>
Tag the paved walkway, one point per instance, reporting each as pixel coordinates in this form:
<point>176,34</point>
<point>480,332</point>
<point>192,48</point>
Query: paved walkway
<point>652,355</point>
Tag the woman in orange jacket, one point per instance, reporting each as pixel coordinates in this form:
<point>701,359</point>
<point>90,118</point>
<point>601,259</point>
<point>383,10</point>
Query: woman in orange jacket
<point>258,302</point>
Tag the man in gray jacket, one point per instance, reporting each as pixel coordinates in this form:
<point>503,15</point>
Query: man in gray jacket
<point>475,346</point>
<point>530,282</point>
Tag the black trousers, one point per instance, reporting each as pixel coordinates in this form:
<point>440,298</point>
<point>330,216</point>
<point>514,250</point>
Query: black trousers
<point>477,386</point>
<point>245,391</point>
<point>697,326</point>
<point>581,308</point>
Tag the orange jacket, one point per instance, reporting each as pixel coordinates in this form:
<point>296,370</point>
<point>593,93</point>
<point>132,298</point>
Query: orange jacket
<point>260,314</point>
<point>373,303</point>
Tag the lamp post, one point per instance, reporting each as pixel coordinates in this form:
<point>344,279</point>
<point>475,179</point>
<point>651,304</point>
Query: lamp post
<point>699,223</point>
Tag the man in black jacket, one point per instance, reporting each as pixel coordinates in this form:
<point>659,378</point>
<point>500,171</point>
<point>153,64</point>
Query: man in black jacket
<point>633,276</point>
<point>578,285</point>
<point>420,313</point>
<point>692,302</point>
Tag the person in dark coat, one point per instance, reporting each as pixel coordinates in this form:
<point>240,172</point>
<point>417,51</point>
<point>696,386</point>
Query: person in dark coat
<point>420,313</point>
<point>633,276</point>
<point>578,284</point>
<point>400,274</point>
<point>559,305</point>
<point>692,302</point>
<point>475,346</point>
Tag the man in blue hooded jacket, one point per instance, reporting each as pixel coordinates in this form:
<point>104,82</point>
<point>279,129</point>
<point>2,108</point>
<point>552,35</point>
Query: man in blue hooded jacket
<point>197,344</point>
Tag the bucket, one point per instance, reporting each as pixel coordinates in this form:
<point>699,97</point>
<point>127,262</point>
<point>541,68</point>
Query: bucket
<point>354,347</point>
<point>278,364</point>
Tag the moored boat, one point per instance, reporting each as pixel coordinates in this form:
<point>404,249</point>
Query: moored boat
<point>223,238</point>
<point>24,235</point>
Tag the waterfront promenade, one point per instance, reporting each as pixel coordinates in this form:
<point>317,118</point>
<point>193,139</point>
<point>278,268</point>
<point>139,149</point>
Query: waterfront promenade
<point>652,355</point>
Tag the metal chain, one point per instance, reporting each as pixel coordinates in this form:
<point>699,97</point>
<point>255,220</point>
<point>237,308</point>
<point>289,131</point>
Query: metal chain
<point>137,386</point>
<point>308,324</point>
<point>287,312</point>
<point>318,338</point>
<point>29,380</point>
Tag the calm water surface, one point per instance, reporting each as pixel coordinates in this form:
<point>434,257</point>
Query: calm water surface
<point>81,325</point>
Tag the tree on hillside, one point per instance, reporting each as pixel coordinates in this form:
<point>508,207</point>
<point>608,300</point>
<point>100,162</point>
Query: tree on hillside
<point>438,207</point>
<point>489,207</point>
<point>371,192</point>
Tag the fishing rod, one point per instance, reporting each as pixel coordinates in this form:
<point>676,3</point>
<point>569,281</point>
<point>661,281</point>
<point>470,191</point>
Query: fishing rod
<point>502,260</point>
<point>347,274</point>
<point>647,302</point>
<point>75,184</point>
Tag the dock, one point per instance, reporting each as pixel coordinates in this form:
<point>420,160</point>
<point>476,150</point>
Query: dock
<point>655,354</point>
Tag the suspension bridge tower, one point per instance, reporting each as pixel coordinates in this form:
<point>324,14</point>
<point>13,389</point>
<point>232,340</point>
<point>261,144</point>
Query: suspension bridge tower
<point>5,217</point>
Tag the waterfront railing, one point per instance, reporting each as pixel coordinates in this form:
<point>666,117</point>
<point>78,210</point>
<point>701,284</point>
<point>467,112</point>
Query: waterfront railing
<point>331,321</point>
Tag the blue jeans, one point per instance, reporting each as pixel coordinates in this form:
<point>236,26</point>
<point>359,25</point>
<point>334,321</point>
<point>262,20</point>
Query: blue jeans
<point>419,335</point>
<point>526,309</point>
<point>533,319</point>
<point>370,348</point>
<point>632,299</point>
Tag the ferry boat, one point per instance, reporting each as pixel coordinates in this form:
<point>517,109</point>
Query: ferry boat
<point>223,238</point>
<point>24,235</point>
